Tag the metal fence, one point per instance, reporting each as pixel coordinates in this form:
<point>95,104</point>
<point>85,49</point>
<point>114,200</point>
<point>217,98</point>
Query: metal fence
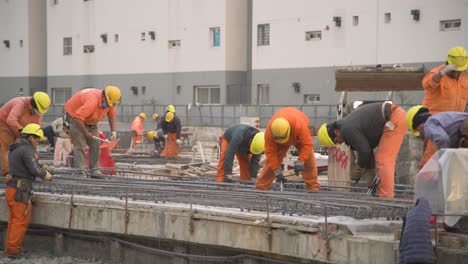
<point>213,115</point>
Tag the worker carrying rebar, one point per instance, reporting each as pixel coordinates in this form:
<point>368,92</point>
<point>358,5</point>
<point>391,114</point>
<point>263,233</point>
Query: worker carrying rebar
<point>245,142</point>
<point>15,115</point>
<point>288,127</point>
<point>156,136</point>
<point>84,110</point>
<point>171,128</point>
<point>24,168</point>
<point>446,88</point>
<point>137,129</point>
<point>374,125</point>
<point>59,129</point>
<point>444,130</point>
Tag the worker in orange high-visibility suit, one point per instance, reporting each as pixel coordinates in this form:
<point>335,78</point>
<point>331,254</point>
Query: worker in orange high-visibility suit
<point>137,128</point>
<point>375,125</point>
<point>14,115</point>
<point>287,127</point>
<point>84,111</point>
<point>171,129</point>
<point>24,168</point>
<point>446,89</point>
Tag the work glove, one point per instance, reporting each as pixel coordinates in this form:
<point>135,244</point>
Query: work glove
<point>8,178</point>
<point>228,177</point>
<point>298,167</point>
<point>48,168</point>
<point>448,69</point>
<point>179,142</point>
<point>357,173</point>
<point>113,135</point>
<point>48,176</point>
<point>165,136</point>
<point>279,176</point>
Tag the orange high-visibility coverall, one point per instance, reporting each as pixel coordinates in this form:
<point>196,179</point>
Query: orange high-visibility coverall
<point>19,216</point>
<point>449,95</point>
<point>137,128</point>
<point>171,149</point>
<point>14,115</point>
<point>300,137</point>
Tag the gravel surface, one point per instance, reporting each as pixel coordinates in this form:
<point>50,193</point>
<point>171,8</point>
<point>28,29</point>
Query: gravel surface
<point>45,258</point>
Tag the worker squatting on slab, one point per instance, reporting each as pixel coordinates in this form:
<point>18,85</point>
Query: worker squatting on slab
<point>171,128</point>
<point>287,127</point>
<point>375,125</point>
<point>15,115</point>
<point>137,129</point>
<point>446,88</point>
<point>444,130</point>
<point>245,142</point>
<point>84,111</point>
<point>24,168</point>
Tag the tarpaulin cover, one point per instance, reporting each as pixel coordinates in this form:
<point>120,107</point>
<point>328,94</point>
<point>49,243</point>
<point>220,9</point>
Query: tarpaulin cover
<point>444,182</point>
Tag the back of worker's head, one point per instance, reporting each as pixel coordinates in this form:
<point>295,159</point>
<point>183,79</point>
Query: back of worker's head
<point>32,129</point>
<point>155,116</point>
<point>169,116</point>
<point>459,57</point>
<point>112,94</point>
<point>257,145</point>
<point>142,115</point>
<point>280,129</point>
<point>326,134</point>
<point>170,108</point>
<point>40,102</point>
<point>416,116</point>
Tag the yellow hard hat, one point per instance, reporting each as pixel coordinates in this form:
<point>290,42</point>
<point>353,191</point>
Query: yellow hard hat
<point>142,115</point>
<point>42,101</point>
<point>281,130</point>
<point>170,108</point>
<point>257,145</point>
<point>155,116</point>
<point>323,136</point>
<point>459,57</point>
<point>410,116</point>
<point>112,95</point>
<point>33,129</point>
<point>169,116</point>
<point>151,135</point>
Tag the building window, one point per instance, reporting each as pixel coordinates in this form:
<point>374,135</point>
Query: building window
<point>215,37</point>
<point>263,94</point>
<point>88,48</point>
<point>311,98</point>
<point>21,43</point>
<point>263,35</point>
<point>447,25</point>
<point>355,20</point>
<point>207,95</point>
<point>116,37</point>
<point>61,95</point>
<point>313,35</point>
<point>143,36</point>
<point>67,46</point>
<point>174,44</point>
<point>388,18</point>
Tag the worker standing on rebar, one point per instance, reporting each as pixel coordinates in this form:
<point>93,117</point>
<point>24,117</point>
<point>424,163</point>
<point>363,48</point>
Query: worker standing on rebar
<point>171,129</point>
<point>287,127</point>
<point>245,142</point>
<point>446,89</point>
<point>374,125</point>
<point>63,146</point>
<point>445,130</point>
<point>137,129</point>
<point>24,168</point>
<point>14,115</point>
<point>85,109</point>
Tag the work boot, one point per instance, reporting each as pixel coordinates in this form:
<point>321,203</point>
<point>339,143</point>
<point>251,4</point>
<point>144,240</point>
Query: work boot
<point>228,178</point>
<point>95,173</point>
<point>81,174</point>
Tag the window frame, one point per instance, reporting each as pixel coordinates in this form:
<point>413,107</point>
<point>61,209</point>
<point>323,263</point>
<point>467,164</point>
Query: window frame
<point>67,47</point>
<point>215,32</point>
<point>263,34</point>
<point>261,98</point>
<point>309,35</point>
<point>62,89</point>
<point>451,22</point>
<point>210,95</point>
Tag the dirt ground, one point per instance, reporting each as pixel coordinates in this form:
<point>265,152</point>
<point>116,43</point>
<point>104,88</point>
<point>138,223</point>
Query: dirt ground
<point>45,258</point>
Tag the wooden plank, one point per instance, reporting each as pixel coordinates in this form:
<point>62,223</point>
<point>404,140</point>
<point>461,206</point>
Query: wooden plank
<point>378,81</point>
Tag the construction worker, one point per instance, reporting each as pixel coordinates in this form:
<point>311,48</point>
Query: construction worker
<point>287,127</point>
<point>24,168</point>
<point>157,136</point>
<point>374,125</point>
<point>247,143</point>
<point>84,110</point>
<point>63,146</point>
<point>445,130</point>
<point>14,115</point>
<point>446,89</point>
<point>171,129</point>
<point>137,129</point>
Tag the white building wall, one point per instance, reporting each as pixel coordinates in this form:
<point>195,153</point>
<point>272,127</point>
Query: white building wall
<point>185,20</point>
<point>14,27</point>
<point>370,42</point>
